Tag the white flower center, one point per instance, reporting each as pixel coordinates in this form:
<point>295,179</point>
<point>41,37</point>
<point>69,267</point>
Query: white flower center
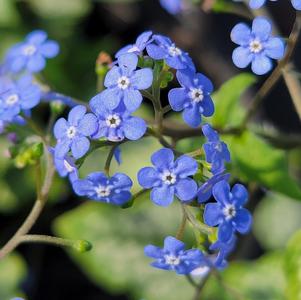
<point>71,132</point>
<point>29,50</point>
<point>172,260</point>
<point>169,178</point>
<point>68,167</point>
<point>113,121</point>
<point>174,51</point>
<point>12,99</point>
<point>229,211</point>
<point>123,82</point>
<point>103,191</point>
<point>196,95</point>
<point>255,46</point>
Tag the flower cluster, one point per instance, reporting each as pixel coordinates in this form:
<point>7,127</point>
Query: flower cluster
<point>19,90</point>
<point>109,119</point>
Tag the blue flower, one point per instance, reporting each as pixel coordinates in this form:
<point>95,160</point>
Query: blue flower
<point>65,166</point>
<point>256,46</point>
<point>224,249</point>
<point>72,134</point>
<point>167,50</point>
<point>228,212</point>
<point>97,186</point>
<point>205,190</point>
<point>168,178</point>
<point>193,97</point>
<point>216,151</point>
<point>172,6</point>
<point>18,96</point>
<point>254,4</point>
<point>117,155</point>
<point>142,41</point>
<point>116,124</point>
<point>123,83</point>
<point>174,257</point>
<point>32,53</point>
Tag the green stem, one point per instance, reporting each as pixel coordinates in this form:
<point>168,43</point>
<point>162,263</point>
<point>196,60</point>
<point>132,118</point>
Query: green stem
<point>42,196</point>
<point>182,226</point>
<point>46,239</point>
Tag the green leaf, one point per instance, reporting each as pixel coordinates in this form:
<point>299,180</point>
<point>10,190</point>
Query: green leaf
<point>293,267</point>
<point>228,111</point>
<point>267,229</point>
<point>254,160</point>
<point>12,273</point>
<point>262,279</point>
<point>116,261</point>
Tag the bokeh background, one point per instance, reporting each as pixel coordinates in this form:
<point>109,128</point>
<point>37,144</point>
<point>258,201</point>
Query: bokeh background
<point>265,265</point>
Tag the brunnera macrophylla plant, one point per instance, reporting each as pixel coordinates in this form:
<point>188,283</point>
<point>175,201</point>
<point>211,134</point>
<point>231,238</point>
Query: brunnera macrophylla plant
<point>139,73</point>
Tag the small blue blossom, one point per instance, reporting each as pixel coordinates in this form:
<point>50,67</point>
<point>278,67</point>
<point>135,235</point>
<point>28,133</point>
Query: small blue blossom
<point>224,249</point>
<point>142,41</point>
<point>164,48</point>
<point>116,124</point>
<point>174,257</point>
<point>172,6</point>
<point>193,97</point>
<point>65,166</point>
<point>228,212</point>
<point>31,54</point>
<point>168,177</point>
<point>72,134</point>
<point>216,151</point>
<point>97,186</point>
<point>123,83</point>
<point>18,96</point>
<point>256,46</point>
<point>255,4</point>
<point>205,190</point>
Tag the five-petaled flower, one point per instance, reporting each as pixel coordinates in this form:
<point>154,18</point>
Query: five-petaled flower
<point>256,46</point>
<point>142,41</point>
<point>174,257</point>
<point>116,124</point>
<point>193,97</point>
<point>31,54</point>
<point>72,134</point>
<point>216,151</point>
<point>254,4</point>
<point>123,83</point>
<point>228,212</point>
<point>168,177</point>
<point>163,48</point>
<point>97,186</point>
<point>18,96</point>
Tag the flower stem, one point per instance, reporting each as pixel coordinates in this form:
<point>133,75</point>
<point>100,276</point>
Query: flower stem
<point>42,196</point>
<point>182,226</point>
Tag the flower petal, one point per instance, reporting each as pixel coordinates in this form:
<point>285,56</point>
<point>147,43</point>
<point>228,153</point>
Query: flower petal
<point>80,147</point>
<point>142,79</point>
<point>112,77</point>
<point>241,34</point>
<point>173,245</point>
<point>49,49</point>
<point>242,221</point>
<point>242,57</point>
<point>212,214</point>
<point>192,116</point>
<point>156,52</point>
<point>134,128</point>
<point>60,128</point>
<point>88,125</point>
<point>132,99</point>
<point>76,114</point>
<point>221,192</point>
<point>185,166</point>
<point>148,177</point>
<point>225,231</point>
<point>240,195</point>
<point>261,64</point>
<point>111,97</point>
<point>163,158</point>
<point>128,61</point>
<point>261,28</point>
<point>177,98</point>
<point>162,196</point>
<point>153,251</point>
<point>274,48</point>
<point>186,189</point>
